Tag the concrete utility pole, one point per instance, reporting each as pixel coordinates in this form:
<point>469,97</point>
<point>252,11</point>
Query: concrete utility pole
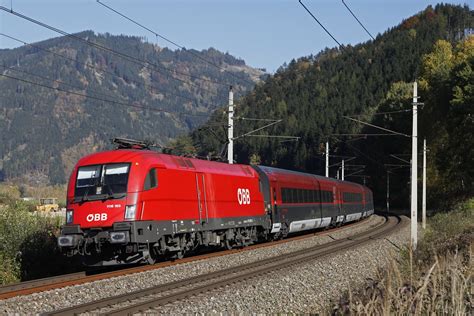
<point>327,159</point>
<point>342,177</point>
<point>388,191</point>
<point>414,170</point>
<point>230,137</point>
<point>423,201</point>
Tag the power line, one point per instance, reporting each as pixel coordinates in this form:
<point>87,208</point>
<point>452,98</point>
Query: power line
<point>347,7</point>
<point>321,24</point>
<point>381,113</point>
<point>172,42</point>
<point>101,99</point>
<point>364,135</point>
<point>127,57</point>
<point>72,86</point>
<point>97,69</point>
<point>254,119</point>
<point>375,126</point>
<point>276,136</point>
<point>258,129</point>
<point>363,154</point>
<point>57,81</point>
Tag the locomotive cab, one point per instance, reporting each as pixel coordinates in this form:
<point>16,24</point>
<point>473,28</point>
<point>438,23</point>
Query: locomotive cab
<point>102,208</point>
<point>137,206</point>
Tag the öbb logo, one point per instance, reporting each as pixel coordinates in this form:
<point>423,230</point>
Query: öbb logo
<point>96,217</point>
<point>243,196</point>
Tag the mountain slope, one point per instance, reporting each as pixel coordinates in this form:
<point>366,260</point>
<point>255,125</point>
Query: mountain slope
<point>44,131</point>
<point>313,94</point>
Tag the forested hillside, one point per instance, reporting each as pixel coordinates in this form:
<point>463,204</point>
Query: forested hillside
<point>43,130</point>
<point>312,94</point>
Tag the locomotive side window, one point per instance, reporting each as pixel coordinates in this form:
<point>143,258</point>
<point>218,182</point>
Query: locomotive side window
<point>151,181</point>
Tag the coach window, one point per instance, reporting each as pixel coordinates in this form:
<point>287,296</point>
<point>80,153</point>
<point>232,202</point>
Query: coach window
<point>151,181</point>
<point>285,195</point>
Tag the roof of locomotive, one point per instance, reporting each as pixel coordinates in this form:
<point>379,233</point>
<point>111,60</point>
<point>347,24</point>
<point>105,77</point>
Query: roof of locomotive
<point>147,158</point>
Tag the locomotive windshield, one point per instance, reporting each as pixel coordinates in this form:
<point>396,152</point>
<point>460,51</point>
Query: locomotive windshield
<point>99,182</point>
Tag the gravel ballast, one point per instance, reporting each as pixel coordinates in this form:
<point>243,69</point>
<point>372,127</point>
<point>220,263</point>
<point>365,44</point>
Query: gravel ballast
<point>301,289</point>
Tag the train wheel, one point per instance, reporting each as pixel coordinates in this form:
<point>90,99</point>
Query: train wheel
<point>228,244</point>
<point>178,255</point>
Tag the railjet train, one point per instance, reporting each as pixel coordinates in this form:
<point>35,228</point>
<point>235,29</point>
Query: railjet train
<point>135,205</point>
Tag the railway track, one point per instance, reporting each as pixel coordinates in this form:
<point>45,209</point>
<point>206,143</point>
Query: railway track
<point>154,297</point>
<point>55,282</point>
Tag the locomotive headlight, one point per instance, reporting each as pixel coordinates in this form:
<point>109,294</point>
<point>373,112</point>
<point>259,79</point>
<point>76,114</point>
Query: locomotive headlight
<point>130,211</point>
<point>69,216</point>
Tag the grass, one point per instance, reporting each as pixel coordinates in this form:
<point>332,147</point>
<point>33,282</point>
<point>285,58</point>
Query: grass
<point>434,279</point>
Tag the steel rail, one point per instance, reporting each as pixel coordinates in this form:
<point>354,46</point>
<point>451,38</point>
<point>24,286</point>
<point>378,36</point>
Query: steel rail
<point>55,282</point>
<point>18,287</point>
<point>214,280</point>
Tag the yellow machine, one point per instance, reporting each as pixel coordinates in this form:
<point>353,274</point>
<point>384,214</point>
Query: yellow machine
<point>48,205</point>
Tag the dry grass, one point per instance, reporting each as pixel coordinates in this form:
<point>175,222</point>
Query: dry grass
<point>445,287</point>
<point>8,193</point>
<point>57,191</point>
<point>11,192</point>
<point>435,279</point>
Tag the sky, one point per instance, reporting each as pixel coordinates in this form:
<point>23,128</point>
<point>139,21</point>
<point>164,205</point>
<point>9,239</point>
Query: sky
<point>264,33</point>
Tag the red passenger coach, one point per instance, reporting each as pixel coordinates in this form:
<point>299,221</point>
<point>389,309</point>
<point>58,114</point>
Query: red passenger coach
<point>135,205</point>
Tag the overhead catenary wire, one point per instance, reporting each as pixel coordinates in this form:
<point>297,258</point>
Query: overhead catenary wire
<point>101,99</point>
<point>254,119</point>
<point>375,126</point>
<point>275,136</point>
<point>98,69</point>
<point>172,42</point>
<point>320,24</point>
<point>364,135</point>
<point>381,113</point>
<point>142,62</point>
<point>258,129</point>
<point>363,154</point>
<point>355,17</point>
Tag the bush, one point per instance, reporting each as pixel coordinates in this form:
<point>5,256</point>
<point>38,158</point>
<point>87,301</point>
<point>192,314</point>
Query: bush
<point>28,244</point>
<point>447,232</point>
<point>8,194</point>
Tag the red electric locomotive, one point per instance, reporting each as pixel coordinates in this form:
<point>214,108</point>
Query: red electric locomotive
<point>134,205</point>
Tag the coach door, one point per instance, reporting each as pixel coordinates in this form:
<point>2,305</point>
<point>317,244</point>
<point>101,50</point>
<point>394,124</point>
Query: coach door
<point>201,198</point>
<point>277,217</point>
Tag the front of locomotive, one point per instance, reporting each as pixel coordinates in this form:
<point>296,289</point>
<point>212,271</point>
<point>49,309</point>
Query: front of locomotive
<point>102,207</point>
